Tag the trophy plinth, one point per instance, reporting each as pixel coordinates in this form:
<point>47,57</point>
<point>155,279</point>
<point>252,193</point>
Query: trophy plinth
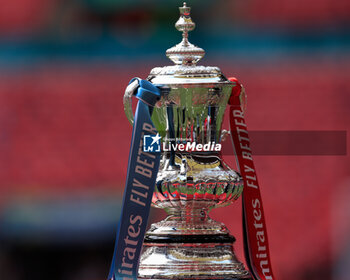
<point>192,179</point>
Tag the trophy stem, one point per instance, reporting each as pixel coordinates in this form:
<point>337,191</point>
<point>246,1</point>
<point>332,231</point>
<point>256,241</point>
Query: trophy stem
<point>189,215</point>
<point>188,221</point>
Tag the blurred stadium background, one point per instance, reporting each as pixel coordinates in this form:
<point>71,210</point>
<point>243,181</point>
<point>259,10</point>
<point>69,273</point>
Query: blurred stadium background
<point>64,139</point>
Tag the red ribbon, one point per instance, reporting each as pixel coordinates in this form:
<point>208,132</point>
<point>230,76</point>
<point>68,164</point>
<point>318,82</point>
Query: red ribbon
<point>254,227</point>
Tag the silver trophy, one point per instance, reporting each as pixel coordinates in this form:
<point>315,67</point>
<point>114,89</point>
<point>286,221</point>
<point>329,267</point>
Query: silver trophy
<point>193,178</point>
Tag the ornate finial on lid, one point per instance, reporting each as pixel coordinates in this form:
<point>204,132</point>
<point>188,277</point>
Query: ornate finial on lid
<point>185,53</point>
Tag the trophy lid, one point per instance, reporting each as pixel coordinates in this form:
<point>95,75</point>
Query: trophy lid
<point>185,57</point>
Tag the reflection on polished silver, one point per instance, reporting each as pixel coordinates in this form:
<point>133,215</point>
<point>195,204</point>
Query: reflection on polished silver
<point>183,70</point>
<point>188,244</point>
<point>191,262</point>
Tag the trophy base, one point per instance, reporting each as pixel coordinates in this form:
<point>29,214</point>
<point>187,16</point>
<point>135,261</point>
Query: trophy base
<point>190,257</point>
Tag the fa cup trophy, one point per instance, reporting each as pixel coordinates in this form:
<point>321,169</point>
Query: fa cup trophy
<point>187,109</point>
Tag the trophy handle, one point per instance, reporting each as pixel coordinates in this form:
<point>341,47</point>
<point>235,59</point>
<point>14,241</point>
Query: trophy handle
<point>238,91</point>
<point>127,100</point>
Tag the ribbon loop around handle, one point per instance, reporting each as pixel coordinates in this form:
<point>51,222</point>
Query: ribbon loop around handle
<point>143,90</point>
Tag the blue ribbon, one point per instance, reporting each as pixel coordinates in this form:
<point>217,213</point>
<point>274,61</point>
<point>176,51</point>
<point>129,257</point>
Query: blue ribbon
<point>141,178</point>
